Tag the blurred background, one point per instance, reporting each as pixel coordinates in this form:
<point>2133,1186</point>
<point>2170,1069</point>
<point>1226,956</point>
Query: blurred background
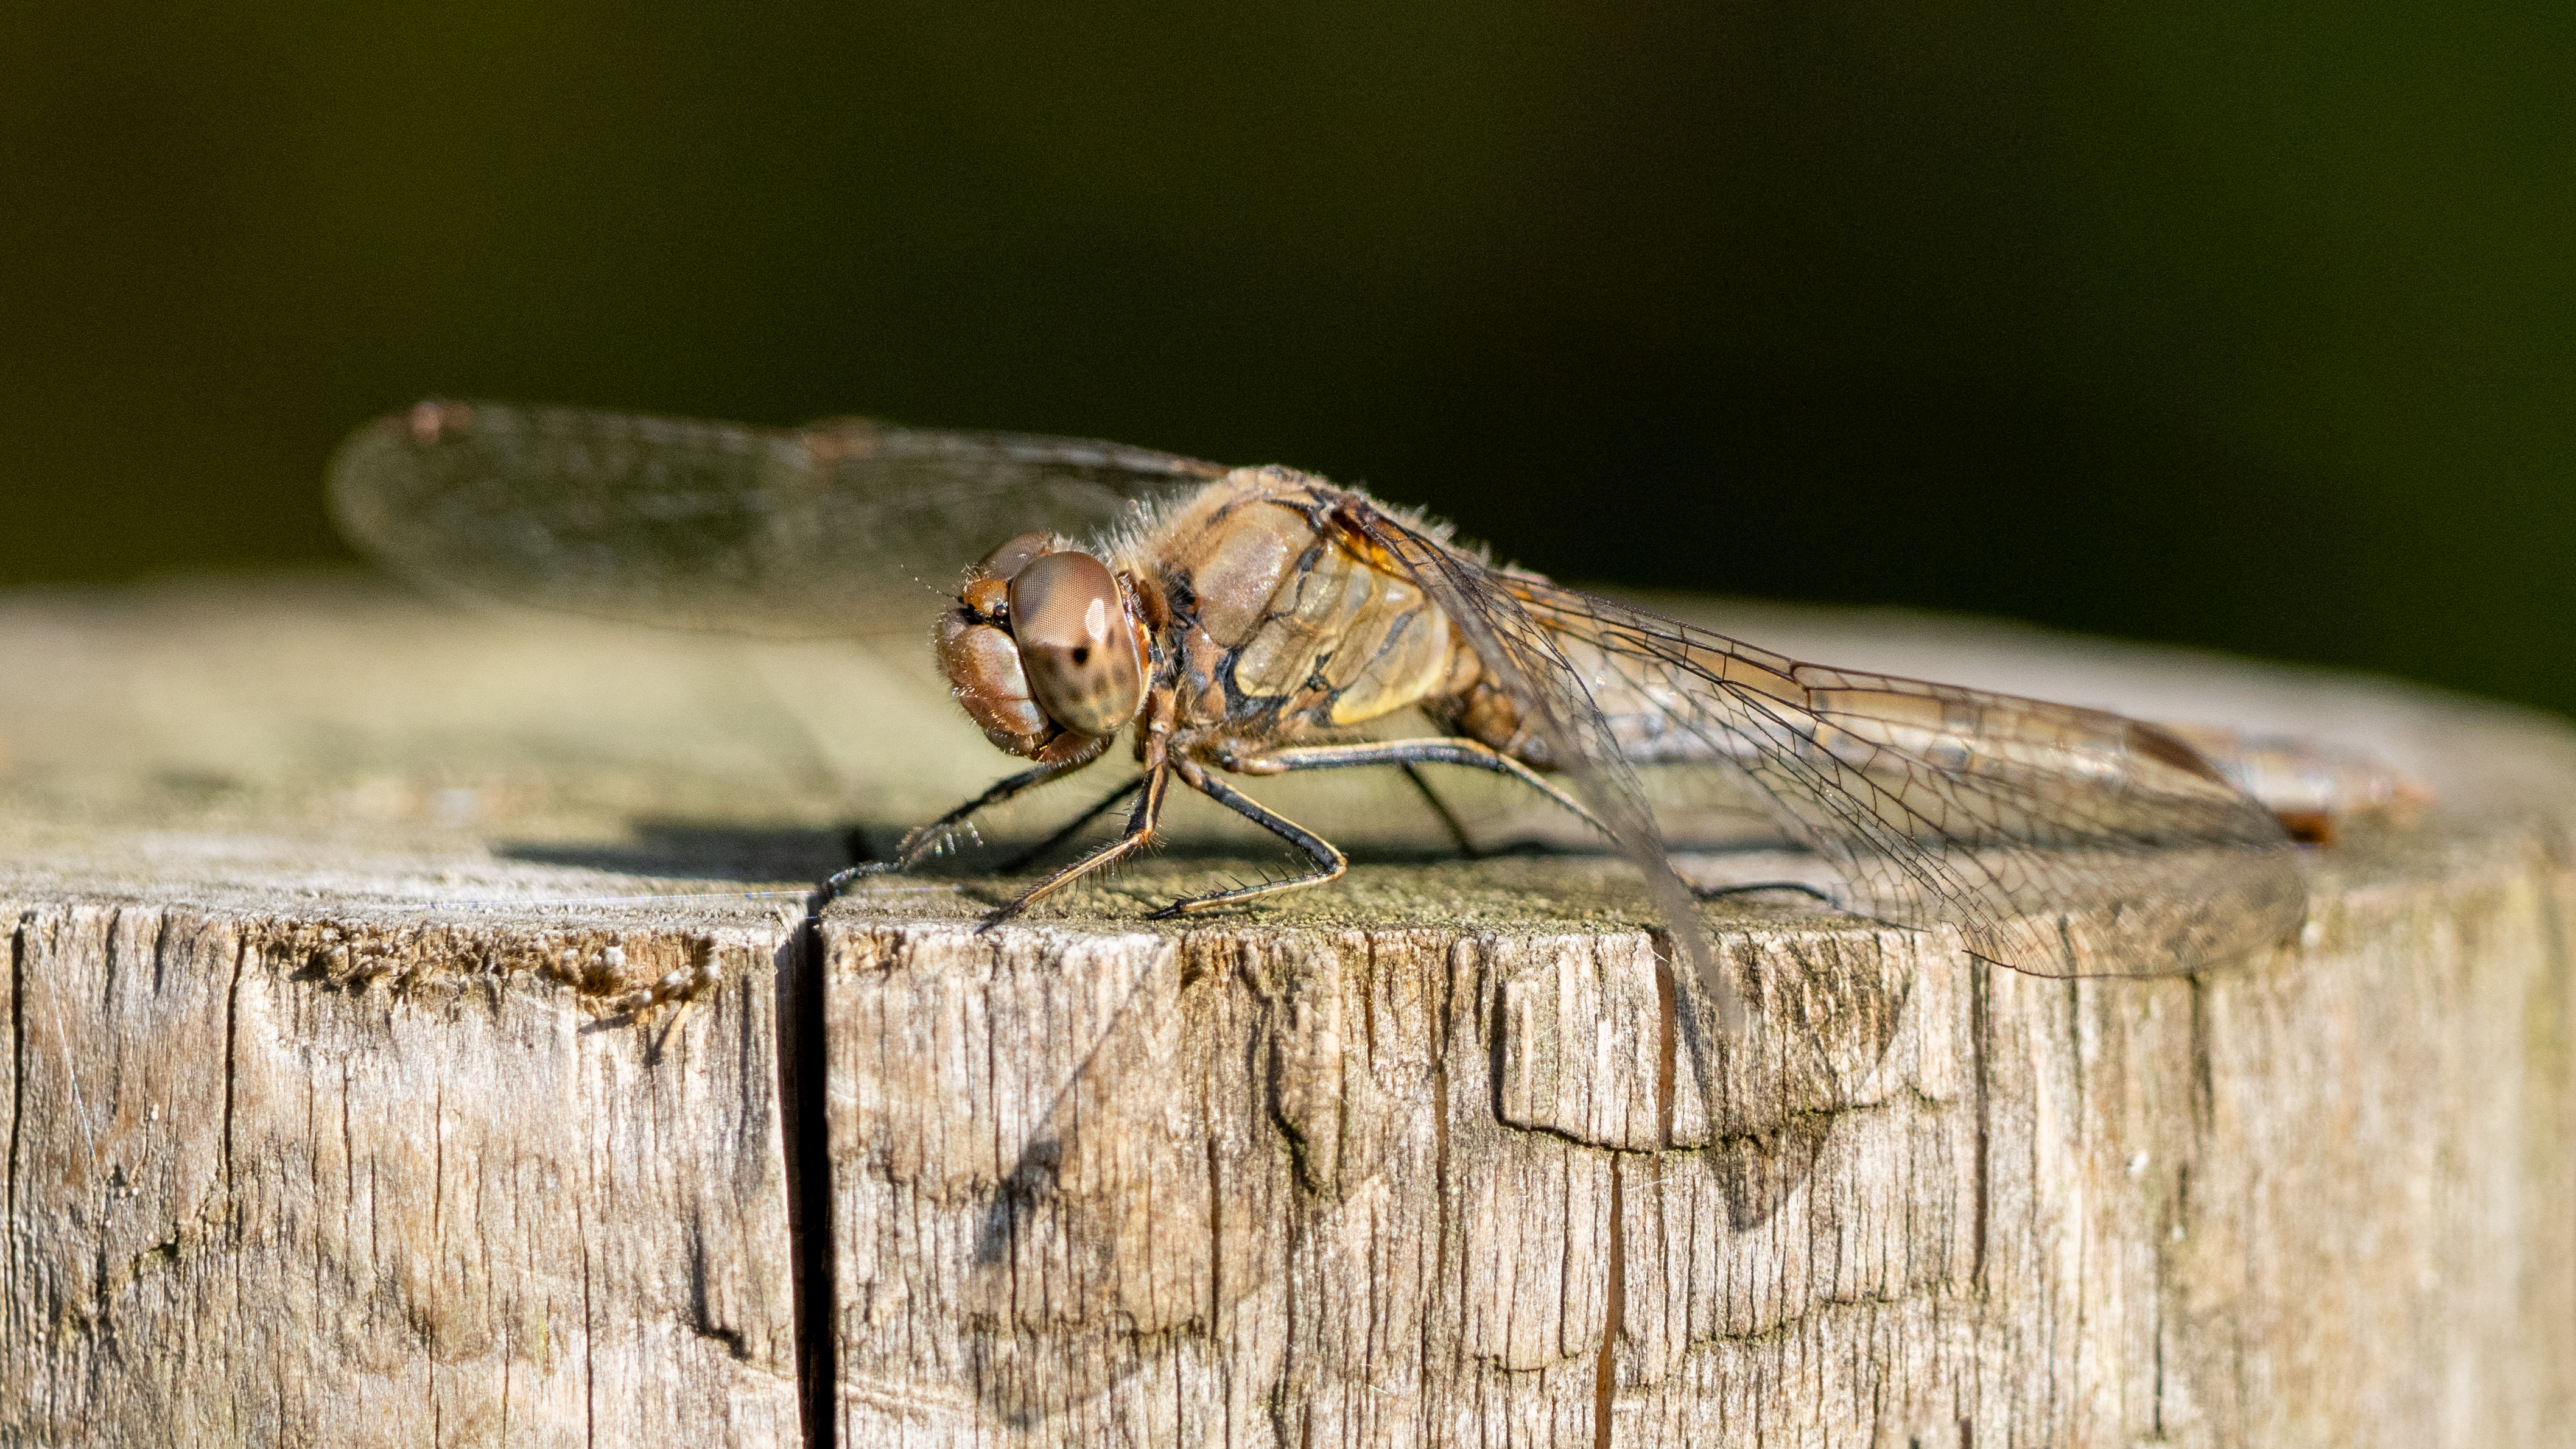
<point>2249,327</point>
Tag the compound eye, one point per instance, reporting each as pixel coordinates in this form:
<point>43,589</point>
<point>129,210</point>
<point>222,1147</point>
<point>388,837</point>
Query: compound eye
<point>1015,554</point>
<point>1080,658</point>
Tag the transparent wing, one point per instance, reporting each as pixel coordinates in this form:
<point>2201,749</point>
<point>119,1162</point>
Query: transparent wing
<point>845,527</point>
<point>1523,656</point>
<point>2058,841</point>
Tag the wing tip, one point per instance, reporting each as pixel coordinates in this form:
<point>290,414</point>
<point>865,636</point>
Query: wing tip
<point>374,473</point>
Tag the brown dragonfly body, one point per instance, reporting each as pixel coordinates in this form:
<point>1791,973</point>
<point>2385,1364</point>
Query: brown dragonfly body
<point>1263,629</point>
<point>1258,621</point>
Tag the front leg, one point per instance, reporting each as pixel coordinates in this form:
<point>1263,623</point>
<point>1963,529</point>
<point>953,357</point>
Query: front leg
<point>919,845</point>
<point>1070,829</point>
<point>1140,829</point>
<point>1153,751</point>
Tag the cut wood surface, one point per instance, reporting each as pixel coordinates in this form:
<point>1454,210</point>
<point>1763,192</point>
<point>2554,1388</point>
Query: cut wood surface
<point>351,1101</point>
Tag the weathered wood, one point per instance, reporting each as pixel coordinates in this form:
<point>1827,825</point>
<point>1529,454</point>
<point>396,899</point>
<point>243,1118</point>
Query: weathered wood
<point>302,1149</point>
<point>278,1182</point>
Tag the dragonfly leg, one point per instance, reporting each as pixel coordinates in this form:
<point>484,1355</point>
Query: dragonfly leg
<point>1140,829</point>
<point>919,845</point>
<point>1328,861</point>
<point>1046,847</point>
<point>1710,893</point>
<point>1440,807</point>
<point>1474,754</point>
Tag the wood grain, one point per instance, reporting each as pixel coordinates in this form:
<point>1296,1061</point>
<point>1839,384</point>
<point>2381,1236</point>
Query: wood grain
<point>327,1122</point>
<point>280,1182</point>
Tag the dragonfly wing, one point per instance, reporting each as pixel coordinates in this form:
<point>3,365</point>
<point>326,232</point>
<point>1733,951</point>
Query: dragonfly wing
<point>1523,655</point>
<point>2059,841</point>
<point>846,527</point>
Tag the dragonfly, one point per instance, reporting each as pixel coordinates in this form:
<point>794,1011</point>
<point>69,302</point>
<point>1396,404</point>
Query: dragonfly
<point>1241,623</point>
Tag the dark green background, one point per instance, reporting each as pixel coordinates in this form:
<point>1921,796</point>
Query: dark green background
<point>2245,326</point>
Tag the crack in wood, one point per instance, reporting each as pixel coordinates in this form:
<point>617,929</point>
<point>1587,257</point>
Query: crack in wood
<point>803,1079</point>
<point>17,1108</point>
<point>1606,1375</point>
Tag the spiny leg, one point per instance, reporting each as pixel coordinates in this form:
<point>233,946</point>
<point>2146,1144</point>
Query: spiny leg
<point>1473,754</point>
<point>1440,807</point>
<point>919,845</point>
<point>1140,829</point>
<point>1328,861</point>
<point>1046,847</point>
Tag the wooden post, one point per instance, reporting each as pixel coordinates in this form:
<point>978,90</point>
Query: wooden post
<point>324,1127</point>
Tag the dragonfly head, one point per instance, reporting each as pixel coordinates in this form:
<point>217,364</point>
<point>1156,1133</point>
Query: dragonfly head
<point>1045,643</point>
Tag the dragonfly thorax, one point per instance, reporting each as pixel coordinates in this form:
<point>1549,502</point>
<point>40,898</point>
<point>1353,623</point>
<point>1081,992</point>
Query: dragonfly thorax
<point>1045,649</point>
